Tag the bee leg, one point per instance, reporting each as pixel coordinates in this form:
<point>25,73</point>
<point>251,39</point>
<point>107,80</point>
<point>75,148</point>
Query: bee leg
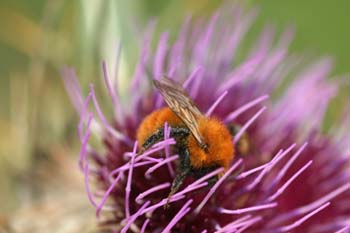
<point>176,185</point>
<point>153,139</point>
<point>233,128</point>
<point>184,170</point>
<point>243,145</point>
<point>212,181</point>
<point>176,132</point>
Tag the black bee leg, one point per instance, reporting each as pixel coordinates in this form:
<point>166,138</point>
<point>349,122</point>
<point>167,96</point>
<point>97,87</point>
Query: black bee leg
<point>184,169</point>
<point>233,129</point>
<point>243,145</point>
<point>178,132</point>
<point>212,181</point>
<point>176,185</point>
<point>175,132</point>
<point>153,139</point>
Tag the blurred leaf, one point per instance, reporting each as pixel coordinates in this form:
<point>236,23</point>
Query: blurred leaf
<point>19,31</point>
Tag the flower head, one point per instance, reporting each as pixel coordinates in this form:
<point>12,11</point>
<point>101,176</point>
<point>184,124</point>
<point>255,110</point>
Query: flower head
<point>292,178</point>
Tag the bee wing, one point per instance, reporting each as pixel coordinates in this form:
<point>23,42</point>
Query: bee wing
<point>181,104</point>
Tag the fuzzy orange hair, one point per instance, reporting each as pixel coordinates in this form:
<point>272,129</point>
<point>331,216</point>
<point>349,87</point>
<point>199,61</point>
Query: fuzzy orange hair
<point>220,149</point>
<point>155,121</point>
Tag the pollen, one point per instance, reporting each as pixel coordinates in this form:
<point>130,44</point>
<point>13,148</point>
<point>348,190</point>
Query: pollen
<point>155,121</point>
<point>219,141</point>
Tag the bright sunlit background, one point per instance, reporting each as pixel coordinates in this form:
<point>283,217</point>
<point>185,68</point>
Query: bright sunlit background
<point>37,38</point>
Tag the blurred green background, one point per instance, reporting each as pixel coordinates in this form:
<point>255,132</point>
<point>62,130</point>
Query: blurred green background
<point>38,38</point>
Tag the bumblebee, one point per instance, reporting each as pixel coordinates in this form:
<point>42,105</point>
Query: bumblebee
<point>202,143</point>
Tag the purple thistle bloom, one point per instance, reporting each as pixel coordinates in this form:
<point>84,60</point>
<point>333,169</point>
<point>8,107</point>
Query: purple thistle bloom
<point>294,178</point>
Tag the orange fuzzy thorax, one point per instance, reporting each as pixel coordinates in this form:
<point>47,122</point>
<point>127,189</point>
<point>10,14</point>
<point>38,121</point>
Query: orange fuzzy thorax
<point>220,149</point>
<point>214,133</point>
<point>155,121</point>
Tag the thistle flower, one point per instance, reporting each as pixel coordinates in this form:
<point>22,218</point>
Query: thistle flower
<point>294,178</point>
